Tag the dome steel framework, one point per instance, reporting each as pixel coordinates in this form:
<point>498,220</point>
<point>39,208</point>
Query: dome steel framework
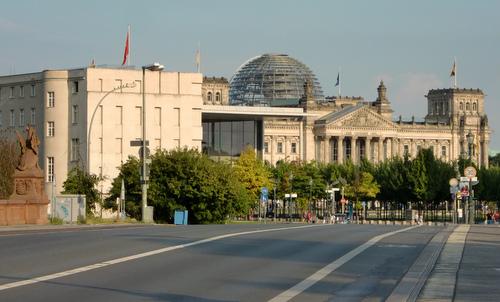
<point>272,80</point>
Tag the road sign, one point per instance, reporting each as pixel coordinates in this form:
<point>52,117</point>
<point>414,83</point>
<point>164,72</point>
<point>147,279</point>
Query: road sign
<point>264,194</point>
<point>294,195</point>
<point>138,143</point>
<point>453,182</point>
<point>470,172</point>
<point>147,152</point>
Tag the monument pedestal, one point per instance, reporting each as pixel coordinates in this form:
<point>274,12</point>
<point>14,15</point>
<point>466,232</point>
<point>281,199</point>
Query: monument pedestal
<point>28,203</point>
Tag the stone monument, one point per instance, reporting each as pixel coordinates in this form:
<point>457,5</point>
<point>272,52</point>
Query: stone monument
<point>28,202</point>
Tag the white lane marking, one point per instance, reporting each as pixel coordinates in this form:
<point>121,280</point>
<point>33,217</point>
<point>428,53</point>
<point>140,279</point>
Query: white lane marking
<point>397,246</point>
<point>141,255</point>
<point>325,271</point>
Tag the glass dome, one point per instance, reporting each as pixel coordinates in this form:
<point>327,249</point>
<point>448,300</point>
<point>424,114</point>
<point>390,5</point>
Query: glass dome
<point>272,80</point>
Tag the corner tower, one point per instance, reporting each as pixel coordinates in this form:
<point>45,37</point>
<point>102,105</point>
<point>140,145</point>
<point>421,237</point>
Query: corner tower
<point>463,110</point>
<point>382,104</point>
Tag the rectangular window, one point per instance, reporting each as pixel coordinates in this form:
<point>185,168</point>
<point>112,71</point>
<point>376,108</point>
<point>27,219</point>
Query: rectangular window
<point>74,114</point>
<point>335,151</point>
<point>443,151</point>
<point>50,129</point>
<point>11,93</point>
<point>294,148</point>
<point>177,116</point>
<point>280,147</point>
<point>119,115</point>
<point>75,144</point>
<point>75,87</point>
<point>33,117</point>
<point>157,116</point>
<point>1,119</point>
<point>12,118</point>
<point>21,91</point>
<point>50,169</point>
<point>21,117</point>
<point>406,149</point>
<point>157,144</point>
<point>51,99</point>
<point>33,92</point>
<point>266,147</point>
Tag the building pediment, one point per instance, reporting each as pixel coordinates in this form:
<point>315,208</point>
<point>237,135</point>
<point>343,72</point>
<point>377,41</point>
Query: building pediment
<point>360,116</point>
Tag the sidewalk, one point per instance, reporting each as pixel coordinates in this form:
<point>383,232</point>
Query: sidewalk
<point>479,273</point>
<point>33,228</point>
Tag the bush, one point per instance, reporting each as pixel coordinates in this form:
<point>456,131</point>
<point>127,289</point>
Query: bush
<point>8,160</point>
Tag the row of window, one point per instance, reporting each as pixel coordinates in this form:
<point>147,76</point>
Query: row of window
<point>21,92</point>
<point>279,148</point>
<point>467,106</point>
<point>217,96</point>
<point>21,120</point>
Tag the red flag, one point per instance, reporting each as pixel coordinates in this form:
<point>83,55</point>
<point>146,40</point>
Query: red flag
<point>125,54</point>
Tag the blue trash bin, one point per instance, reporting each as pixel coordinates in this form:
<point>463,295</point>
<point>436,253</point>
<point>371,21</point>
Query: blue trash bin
<point>181,217</point>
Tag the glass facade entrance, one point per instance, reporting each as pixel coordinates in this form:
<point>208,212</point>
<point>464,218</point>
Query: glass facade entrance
<point>224,140</point>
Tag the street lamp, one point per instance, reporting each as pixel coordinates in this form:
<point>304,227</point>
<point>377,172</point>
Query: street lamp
<point>145,177</point>
<point>470,143</point>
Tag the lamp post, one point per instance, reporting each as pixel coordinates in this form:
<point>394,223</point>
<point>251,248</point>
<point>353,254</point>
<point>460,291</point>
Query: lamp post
<point>127,85</point>
<point>470,143</point>
<point>144,176</point>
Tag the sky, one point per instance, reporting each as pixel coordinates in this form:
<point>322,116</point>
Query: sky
<point>410,45</point>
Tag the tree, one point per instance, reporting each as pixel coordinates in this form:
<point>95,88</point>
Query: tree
<point>83,183</point>
<point>185,179</point>
<point>252,173</point>
<point>8,160</point>
<point>129,172</point>
<point>362,186</point>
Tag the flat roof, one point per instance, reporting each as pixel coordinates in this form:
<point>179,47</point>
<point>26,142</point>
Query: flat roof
<point>226,112</point>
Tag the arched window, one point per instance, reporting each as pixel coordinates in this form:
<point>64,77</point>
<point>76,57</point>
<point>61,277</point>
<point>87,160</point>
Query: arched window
<point>436,110</point>
<point>467,106</point>
<point>445,107</point>
<point>217,97</point>
<point>461,106</point>
<point>209,96</point>
<point>474,107</point>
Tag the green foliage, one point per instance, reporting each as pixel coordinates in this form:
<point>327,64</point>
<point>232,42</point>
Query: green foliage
<point>80,182</point>
<point>129,172</point>
<point>495,160</point>
<point>8,160</point>
<point>252,173</point>
<point>186,179</point>
<point>56,220</point>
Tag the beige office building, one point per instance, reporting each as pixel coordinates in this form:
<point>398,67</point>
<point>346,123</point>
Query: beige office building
<point>89,116</point>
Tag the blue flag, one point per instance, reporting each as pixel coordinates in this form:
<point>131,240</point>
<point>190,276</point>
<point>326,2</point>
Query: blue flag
<point>338,80</point>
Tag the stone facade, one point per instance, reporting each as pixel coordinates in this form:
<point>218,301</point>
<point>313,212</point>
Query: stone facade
<point>359,129</point>
<point>215,91</point>
<point>87,117</point>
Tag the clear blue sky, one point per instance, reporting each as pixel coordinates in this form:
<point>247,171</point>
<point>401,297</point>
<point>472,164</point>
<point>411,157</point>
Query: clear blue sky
<point>408,44</point>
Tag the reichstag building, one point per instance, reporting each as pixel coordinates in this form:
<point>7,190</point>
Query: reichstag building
<point>284,98</point>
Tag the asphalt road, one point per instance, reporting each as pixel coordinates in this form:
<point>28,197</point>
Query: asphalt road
<point>172,264</point>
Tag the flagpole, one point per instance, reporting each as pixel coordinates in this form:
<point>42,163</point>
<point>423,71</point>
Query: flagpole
<point>455,77</point>
<point>129,48</point>
<point>340,82</point>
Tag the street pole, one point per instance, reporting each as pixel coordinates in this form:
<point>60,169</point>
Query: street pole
<point>145,177</point>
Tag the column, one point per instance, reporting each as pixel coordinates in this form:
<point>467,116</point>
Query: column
<point>301,141</point>
<point>340,149</point>
<point>388,148</point>
<point>368,152</point>
<point>394,143</point>
<point>354,153</point>
<point>326,153</point>
<point>380,149</point>
<point>271,149</point>
<point>484,152</point>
